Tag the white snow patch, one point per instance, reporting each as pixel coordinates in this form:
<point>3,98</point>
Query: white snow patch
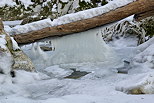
<point>26,3</point>
<point>56,71</point>
<point>143,46</point>
<point>15,45</point>
<point>5,57</point>
<point>2,41</point>
<point>86,0</point>
<point>147,55</point>
<point>7,29</point>
<point>12,23</point>
<point>7,2</point>
<point>64,0</point>
<point>23,77</point>
<point>5,62</point>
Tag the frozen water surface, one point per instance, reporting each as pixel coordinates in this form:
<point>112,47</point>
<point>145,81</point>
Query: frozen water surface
<point>85,52</point>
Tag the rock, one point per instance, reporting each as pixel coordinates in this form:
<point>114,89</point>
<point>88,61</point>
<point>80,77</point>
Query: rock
<point>11,55</point>
<point>135,91</point>
<point>22,61</point>
<point>144,86</point>
<point>45,48</point>
<point>6,59</point>
<point>125,68</point>
<point>77,74</point>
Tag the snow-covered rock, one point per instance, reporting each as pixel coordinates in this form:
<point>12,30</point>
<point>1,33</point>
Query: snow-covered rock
<point>144,85</point>
<point>12,55</point>
<point>6,59</point>
<point>146,57</point>
<point>143,62</point>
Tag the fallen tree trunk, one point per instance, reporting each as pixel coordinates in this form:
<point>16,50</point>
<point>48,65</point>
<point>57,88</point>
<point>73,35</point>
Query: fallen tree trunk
<point>136,7</point>
<point>143,15</point>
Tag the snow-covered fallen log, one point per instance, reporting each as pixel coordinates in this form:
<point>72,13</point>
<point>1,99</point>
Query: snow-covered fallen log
<point>70,17</point>
<point>65,25</point>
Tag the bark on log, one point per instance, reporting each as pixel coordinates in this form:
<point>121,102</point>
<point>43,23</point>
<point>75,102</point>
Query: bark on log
<point>136,7</point>
<point>1,25</point>
<point>143,15</point>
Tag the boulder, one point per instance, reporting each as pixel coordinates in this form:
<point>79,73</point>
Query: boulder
<point>11,56</point>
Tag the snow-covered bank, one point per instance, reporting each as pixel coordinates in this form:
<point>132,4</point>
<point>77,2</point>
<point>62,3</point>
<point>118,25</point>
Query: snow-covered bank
<point>99,86</point>
<point>143,63</point>
<point>5,57</point>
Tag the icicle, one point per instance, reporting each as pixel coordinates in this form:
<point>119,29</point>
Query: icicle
<point>42,54</point>
<point>33,52</point>
<point>82,47</point>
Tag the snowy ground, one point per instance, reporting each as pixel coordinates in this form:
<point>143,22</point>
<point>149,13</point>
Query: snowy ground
<point>96,87</point>
<point>103,84</point>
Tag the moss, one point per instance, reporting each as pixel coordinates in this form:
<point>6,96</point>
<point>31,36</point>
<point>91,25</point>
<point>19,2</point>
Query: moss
<point>148,25</point>
<point>19,12</point>
<point>2,50</point>
<point>136,91</point>
<point>14,13</point>
<point>104,2</point>
<point>63,4</point>
<point>84,6</point>
<point>9,44</point>
<point>149,29</point>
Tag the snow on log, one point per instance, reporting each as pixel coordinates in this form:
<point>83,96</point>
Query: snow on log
<point>135,7</point>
